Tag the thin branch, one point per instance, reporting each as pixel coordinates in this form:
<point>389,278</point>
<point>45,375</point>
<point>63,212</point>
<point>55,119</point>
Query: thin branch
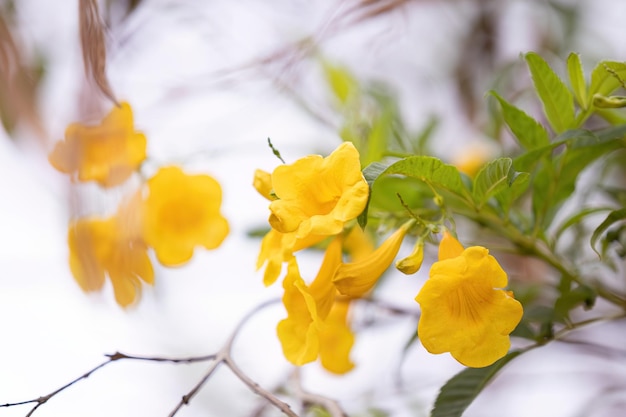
<point>329,404</point>
<point>222,356</point>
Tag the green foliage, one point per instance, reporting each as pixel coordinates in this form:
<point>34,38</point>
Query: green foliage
<point>577,79</point>
<point>614,217</point>
<point>556,98</point>
<point>460,391</point>
<point>529,133</point>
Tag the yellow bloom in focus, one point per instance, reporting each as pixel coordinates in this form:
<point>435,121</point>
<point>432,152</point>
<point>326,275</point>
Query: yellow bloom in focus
<point>412,263</point>
<point>278,248</point>
<point>107,153</point>
<point>181,212</point>
<point>316,325</point>
<point>355,279</point>
<point>336,340</point>
<point>319,195</point>
<point>299,332</point>
<point>263,184</point>
<point>465,311</point>
<point>100,247</point>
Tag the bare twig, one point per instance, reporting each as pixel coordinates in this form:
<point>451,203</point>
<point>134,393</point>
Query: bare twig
<point>93,46</point>
<point>222,356</point>
<point>308,398</point>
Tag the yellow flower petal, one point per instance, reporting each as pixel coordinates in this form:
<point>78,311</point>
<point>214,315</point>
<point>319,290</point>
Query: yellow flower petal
<point>181,212</point>
<point>358,244</point>
<point>336,340</point>
<point>449,247</point>
<point>319,195</point>
<point>298,333</point>
<point>322,288</point>
<point>263,184</point>
<point>107,153</point>
<point>465,311</point>
<point>355,279</point>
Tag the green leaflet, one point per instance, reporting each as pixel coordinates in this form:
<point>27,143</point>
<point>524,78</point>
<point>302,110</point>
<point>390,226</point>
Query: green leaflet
<point>371,173</point>
<point>577,79</point>
<point>557,100</point>
<point>529,133</point>
<point>603,82</point>
<point>459,392</point>
<point>613,217</point>
<point>494,178</point>
<point>342,83</point>
<point>430,170</point>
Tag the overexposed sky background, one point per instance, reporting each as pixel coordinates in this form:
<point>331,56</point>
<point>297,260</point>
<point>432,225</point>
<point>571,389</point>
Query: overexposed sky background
<point>185,68</point>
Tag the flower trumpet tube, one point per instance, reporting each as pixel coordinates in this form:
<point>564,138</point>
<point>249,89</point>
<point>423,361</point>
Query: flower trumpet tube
<point>355,279</point>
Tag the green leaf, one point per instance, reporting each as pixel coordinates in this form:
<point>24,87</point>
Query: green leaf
<point>576,219</point>
<point>581,295</point>
<point>613,217</point>
<point>341,81</point>
<point>557,100</point>
<point>430,170</point>
<point>529,133</point>
<point>371,173</point>
<point>520,184</point>
<point>459,392</point>
<point>493,178</point>
<point>603,82</point>
<point>577,79</point>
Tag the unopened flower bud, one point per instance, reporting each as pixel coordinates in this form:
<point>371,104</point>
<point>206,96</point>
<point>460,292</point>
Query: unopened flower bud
<point>412,263</point>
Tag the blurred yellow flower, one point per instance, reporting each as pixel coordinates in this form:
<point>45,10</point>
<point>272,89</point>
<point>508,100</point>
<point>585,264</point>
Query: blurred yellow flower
<point>107,153</point>
<point>319,195</point>
<point>181,212</point>
<point>111,246</point>
<point>356,278</point>
<point>465,310</point>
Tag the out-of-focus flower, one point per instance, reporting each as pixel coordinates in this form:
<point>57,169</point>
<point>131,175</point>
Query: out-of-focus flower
<point>355,279</point>
<point>465,310</point>
<point>319,195</point>
<point>412,263</point>
<point>472,160</point>
<point>107,153</point>
<point>181,212</point>
<point>111,247</point>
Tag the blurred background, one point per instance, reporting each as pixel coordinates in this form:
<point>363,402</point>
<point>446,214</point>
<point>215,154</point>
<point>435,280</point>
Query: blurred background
<point>209,82</point>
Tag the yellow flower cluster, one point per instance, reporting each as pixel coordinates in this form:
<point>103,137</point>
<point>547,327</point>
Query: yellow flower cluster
<point>464,308</point>
<point>317,199</point>
<point>172,213</point>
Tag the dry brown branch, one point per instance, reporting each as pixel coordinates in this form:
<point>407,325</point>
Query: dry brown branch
<point>222,356</point>
<point>308,398</point>
<point>18,85</point>
<point>93,46</point>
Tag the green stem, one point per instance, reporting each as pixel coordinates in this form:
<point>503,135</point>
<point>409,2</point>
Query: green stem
<point>529,246</point>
